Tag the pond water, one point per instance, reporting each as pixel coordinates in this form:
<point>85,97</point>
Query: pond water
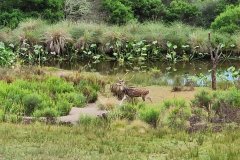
<point>168,71</point>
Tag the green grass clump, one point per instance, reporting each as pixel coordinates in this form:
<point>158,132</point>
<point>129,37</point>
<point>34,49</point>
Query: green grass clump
<point>49,96</point>
<point>175,114</point>
<point>150,115</point>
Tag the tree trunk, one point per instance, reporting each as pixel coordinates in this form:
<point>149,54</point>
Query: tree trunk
<point>214,76</point>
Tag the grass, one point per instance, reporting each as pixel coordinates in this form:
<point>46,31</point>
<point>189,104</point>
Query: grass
<point>59,142</point>
<point>38,31</point>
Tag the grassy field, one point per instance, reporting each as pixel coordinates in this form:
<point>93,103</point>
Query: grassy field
<point>39,141</point>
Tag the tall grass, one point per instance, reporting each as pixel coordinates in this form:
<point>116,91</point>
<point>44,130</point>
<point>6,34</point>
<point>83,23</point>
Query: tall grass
<point>177,33</point>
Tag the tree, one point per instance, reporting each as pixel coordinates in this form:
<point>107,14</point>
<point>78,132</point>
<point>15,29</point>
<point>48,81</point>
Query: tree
<point>74,9</point>
<point>215,53</point>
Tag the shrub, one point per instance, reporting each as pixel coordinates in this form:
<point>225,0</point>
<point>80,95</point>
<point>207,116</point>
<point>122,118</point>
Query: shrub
<point>228,21</point>
<point>175,114</point>
<point>49,112</point>
<point>118,12</point>
<point>128,111</point>
<point>58,85</point>
<point>203,99</point>
<point>209,10</point>
<point>31,102</point>
<point>148,9</point>
<point>150,115</point>
<point>76,99</point>
<point>182,10</point>
<point>11,19</point>
<point>7,57</point>
<point>63,107</point>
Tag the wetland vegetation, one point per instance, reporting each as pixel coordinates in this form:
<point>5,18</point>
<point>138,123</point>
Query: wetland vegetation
<point>59,58</point>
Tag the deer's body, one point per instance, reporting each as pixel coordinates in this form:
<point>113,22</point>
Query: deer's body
<point>135,92</point>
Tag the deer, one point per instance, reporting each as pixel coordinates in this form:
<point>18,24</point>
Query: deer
<point>122,91</point>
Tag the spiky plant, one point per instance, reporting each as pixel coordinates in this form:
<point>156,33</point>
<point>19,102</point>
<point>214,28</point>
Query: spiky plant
<point>56,40</point>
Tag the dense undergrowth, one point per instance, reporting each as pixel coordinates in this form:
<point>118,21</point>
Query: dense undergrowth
<point>30,93</point>
<point>37,42</point>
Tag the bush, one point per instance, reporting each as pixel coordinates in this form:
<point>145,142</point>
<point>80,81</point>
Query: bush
<point>118,12</point>
<point>150,115</point>
<point>11,19</point>
<point>63,107</point>
<point>128,111</point>
<point>46,112</point>
<point>148,9</point>
<point>13,11</point>
<point>76,99</point>
<point>7,57</point>
<point>203,99</point>
<point>209,10</point>
<point>175,114</point>
<point>31,102</point>
<point>182,11</point>
<point>228,21</point>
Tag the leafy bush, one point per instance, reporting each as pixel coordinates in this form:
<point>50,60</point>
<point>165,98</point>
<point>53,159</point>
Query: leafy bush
<point>46,112</point>
<point>228,21</point>
<point>51,97</point>
<point>150,115</point>
<point>209,10</point>
<point>182,10</point>
<point>31,102</point>
<point>128,111</point>
<point>118,12</point>
<point>148,9</point>
<point>63,107</point>
<point>13,11</point>
<point>175,114</point>
<point>203,99</point>
<point>7,57</point>
<point>11,19</point>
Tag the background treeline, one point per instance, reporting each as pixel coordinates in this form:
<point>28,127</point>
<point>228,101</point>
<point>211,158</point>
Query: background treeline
<point>217,14</point>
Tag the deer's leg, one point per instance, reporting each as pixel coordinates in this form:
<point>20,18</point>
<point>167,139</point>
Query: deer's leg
<point>124,97</point>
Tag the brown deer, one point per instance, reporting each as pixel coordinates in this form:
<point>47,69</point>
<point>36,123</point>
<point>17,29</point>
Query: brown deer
<point>122,91</point>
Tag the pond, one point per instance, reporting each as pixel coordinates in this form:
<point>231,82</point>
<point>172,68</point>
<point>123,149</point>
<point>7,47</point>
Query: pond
<point>169,71</point>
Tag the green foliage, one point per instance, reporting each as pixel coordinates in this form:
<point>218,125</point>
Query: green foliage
<point>175,114</point>
<point>63,106</point>
<point>228,21</point>
<point>182,10</point>
<point>150,115</point>
<point>11,19</point>
<point>48,96</point>
<point>46,112</point>
<point>118,12</point>
<point>203,99</point>
<point>128,111</point>
<point>7,57</point>
<point>31,102</point>
<point>147,9</point>
<point>13,11</point>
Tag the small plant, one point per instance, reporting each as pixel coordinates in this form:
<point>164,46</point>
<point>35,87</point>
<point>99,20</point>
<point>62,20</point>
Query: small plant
<point>31,103</point>
<point>46,112</point>
<point>150,115</point>
<point>203,99</point>
<point>175,114</point>
<point>63,107</point>
<point>128,111</point>
<point>7,57</point>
